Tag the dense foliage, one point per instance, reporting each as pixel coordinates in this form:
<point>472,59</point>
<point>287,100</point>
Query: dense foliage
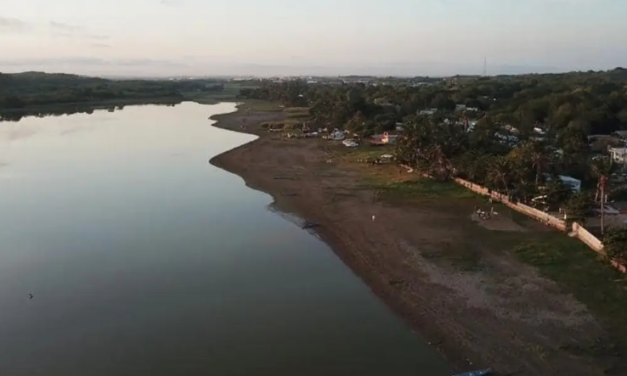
<point>615,244</point>
<point>514,134</point>
<point>30,89</point>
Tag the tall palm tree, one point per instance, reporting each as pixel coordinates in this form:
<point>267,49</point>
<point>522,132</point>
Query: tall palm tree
<point>602,169</point>
<point>540,160</point>
<point>500,172</point>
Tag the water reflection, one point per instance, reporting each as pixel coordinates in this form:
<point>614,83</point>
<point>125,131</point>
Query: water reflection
<point>60,110</point>
<point>144,259</point>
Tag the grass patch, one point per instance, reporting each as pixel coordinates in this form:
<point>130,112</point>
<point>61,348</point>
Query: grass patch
<point>421,190</point>
<point>297,112</point>
<point>285,124</point>
<point>262,106</point>
<point>366,151</point>
<point>578,270</point>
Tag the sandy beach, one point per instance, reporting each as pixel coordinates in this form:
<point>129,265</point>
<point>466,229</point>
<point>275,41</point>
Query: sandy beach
<point>440,270</point>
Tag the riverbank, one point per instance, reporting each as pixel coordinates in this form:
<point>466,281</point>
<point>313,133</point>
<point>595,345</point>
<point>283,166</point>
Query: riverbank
<point>457,281</point>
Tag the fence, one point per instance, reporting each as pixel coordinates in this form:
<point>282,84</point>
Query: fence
<point>577,230</point>
<point>521,208</point>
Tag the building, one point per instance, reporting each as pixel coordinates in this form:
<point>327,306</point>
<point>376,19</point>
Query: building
<point>383,139</point>
<point>568,181</point>
<point>621,134</point>
<point>618,155</point>
<point>428,112</point>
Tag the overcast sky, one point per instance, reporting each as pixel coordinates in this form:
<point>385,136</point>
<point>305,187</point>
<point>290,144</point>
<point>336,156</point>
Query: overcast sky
<point>268,37</point>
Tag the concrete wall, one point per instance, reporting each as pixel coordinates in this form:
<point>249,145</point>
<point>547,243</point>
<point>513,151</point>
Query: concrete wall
<point>577,230</point>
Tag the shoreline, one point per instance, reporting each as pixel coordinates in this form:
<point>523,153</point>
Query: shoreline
<point>423,330</point>
<point>387,255</point>
<point>367,275</point>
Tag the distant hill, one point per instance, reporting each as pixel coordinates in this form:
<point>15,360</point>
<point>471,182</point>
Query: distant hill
<point>28,89</point>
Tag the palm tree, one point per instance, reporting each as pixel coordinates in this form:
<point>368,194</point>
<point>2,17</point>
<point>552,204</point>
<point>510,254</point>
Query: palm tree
<point>539,160</point>
<point>602,169</point>
<point>500,171</point>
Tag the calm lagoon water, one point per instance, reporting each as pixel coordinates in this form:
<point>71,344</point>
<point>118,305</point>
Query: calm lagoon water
<point>143,259</point>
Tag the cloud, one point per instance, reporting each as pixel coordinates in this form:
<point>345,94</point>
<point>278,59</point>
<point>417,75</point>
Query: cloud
<point>99,45</point>
<point>62,30</point>
<point>172,3</point>
<point>58,26</point>
<point>13,25</point>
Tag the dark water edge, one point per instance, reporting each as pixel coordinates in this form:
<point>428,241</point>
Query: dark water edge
<point>58,109</point>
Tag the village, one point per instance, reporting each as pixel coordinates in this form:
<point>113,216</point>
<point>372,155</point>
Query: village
<point>612,213</point>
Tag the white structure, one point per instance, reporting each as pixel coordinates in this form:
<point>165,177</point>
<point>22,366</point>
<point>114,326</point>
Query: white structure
<point>460,107</point>
<point>471,125</point>
<point>337,135</point>
<point>428,112</point>
<point>619,155</point>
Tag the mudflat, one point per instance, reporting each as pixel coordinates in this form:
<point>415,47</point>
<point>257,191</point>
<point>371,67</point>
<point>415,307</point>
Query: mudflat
<point>457,280</point>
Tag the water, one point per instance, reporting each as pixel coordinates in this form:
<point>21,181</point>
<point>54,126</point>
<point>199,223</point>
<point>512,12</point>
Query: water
<point>143,259</point>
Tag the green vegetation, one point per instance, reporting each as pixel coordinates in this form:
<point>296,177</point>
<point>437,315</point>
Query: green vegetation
<point>564,260</point>
<point>35,90</point>
<point>615,244</point>
<point>297,112</point>
<point>577,270</point>
<point>522,132</point>
<point>512,134</point>
<point>254,105</point>
<point>421,191</point>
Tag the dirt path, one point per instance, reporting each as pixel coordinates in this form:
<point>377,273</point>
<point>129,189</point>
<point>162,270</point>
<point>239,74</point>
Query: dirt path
<point>502,315</point>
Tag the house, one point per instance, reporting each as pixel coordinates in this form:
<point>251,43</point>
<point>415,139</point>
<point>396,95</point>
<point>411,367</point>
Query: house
<point>460,107</point>
<point>383,139</point>
<point>511,129</point>
<point>470,125</point>
<point>383,102</point>
<point>618,155</point>
<point>428,112</point>
<point>506,139</point>
<point>621,134</point>
<point>568,181</point>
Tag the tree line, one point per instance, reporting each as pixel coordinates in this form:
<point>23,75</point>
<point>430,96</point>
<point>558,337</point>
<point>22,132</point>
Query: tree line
<point>32,89</point>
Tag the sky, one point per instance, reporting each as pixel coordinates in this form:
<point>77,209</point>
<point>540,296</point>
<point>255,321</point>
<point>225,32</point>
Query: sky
<point>317,37</point>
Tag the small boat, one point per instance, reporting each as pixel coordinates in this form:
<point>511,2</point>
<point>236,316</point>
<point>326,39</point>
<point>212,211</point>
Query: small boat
<point>481,372</point>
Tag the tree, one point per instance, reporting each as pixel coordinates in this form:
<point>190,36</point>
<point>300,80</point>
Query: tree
<point>602,169</point>
<point>578,207</point>
<point>500,170</point>
<point>615,244</point>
